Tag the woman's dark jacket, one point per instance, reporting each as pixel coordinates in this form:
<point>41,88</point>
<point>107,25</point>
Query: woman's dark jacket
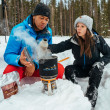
<point>100,47</point>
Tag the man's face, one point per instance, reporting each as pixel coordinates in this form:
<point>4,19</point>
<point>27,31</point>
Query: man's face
<point>40,22</point>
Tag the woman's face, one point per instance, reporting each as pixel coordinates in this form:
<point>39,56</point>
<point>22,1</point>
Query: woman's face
<point>81,30</point>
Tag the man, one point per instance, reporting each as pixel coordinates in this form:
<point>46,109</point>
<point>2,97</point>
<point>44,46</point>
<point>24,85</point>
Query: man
<point>35,26</point>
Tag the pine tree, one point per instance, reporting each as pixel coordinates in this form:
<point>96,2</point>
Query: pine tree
<point>104,18</point>
<point>53,4</point>
<point>61,24</point>
<point>65,19</point>
<point>63,15</point>
<point>108,12</point>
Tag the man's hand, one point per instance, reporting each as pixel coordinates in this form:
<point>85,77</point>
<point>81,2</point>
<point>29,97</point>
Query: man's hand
<point>30,67</point>
<point>29,70</point>
<point>23,60</point>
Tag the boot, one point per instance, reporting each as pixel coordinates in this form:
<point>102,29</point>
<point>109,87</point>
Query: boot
<point>92,94</point>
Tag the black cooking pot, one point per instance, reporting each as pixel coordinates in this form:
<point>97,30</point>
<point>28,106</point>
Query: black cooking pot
<point>48,68</point>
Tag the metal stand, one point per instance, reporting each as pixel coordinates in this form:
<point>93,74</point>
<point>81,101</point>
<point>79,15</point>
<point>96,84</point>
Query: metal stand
<point>49,85</point>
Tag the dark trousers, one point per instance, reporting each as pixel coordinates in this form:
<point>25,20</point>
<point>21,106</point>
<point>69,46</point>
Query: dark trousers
<point>93,73</point>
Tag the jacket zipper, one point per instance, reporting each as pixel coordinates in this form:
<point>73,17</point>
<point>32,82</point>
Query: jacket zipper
<point>84,61</point>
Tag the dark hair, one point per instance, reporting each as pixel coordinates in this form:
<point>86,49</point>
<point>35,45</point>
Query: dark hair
<point>85,44</point>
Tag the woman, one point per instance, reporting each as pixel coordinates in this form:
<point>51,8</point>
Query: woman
<point>86,48</point>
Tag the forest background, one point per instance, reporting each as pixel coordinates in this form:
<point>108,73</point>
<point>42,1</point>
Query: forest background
<point>63,14</point>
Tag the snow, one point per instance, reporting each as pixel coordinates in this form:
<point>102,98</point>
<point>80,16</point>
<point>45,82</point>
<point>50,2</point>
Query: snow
<point>67,96</point>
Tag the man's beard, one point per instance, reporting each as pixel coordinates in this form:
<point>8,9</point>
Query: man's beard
<point>35,27</point>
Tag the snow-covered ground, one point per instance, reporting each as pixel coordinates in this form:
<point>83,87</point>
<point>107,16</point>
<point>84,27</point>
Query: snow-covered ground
<point>68,96</point>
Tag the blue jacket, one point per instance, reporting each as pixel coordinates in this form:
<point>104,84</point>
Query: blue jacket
<point>20,37</point>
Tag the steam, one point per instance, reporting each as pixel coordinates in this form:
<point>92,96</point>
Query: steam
<point>38,51</point>
<point>25,36</point>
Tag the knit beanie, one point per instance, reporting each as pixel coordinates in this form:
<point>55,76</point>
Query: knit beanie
<point>86,20</point>
<point>42,9</point>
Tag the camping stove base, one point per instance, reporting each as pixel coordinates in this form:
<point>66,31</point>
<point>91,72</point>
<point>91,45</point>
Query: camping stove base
<point>49,85</point>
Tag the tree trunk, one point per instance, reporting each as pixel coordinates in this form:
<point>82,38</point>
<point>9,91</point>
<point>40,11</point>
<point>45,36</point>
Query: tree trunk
<point>22,9</point>
<point>52,20</point>
<point>65,21</point>
<point>61,17</point>
<point>70,21</point>
<point>15,11</point>
<point>6,22</point>
<point>72,25</point>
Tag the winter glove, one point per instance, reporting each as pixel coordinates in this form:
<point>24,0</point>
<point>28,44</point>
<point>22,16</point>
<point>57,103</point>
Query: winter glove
<point>99,65</point>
